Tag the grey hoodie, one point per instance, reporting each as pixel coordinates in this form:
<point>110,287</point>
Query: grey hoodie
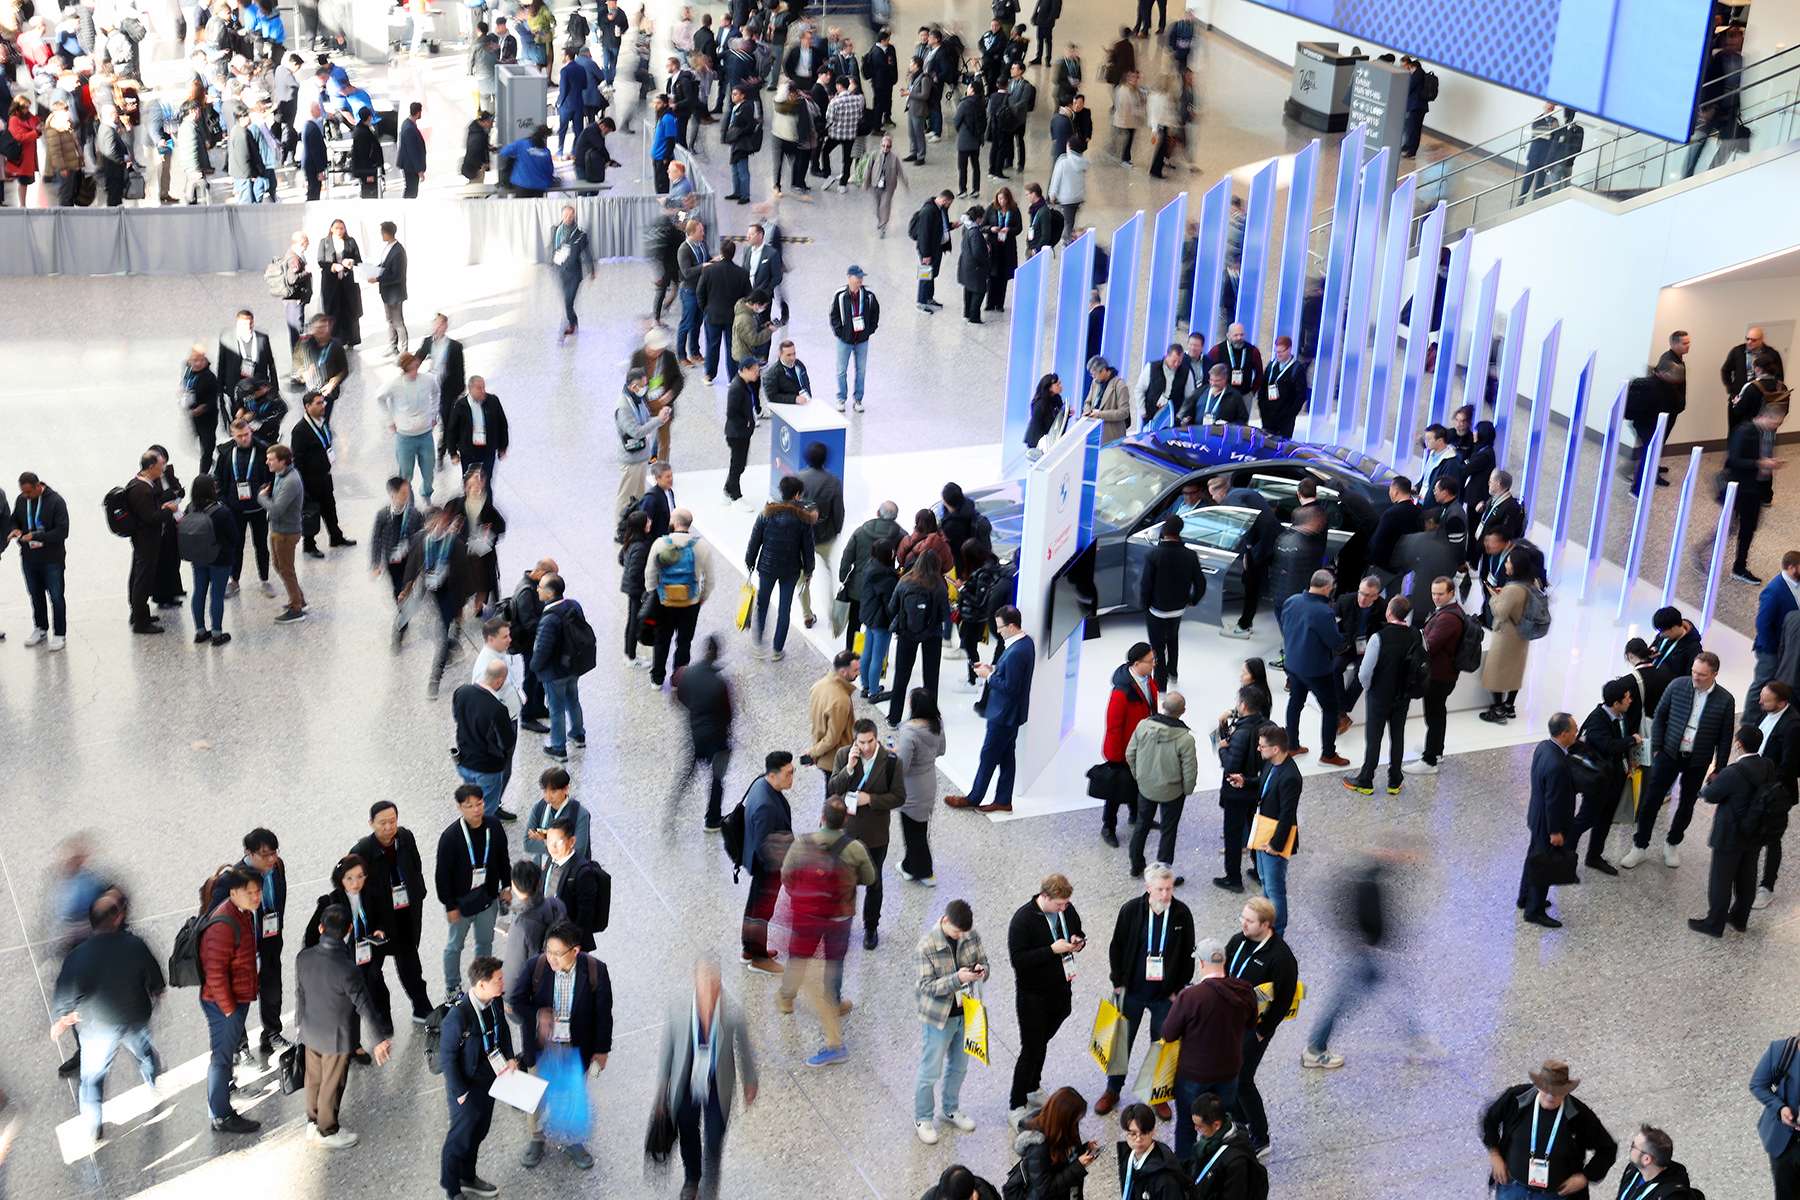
<point>1162,759</point>
<point>286,499</point>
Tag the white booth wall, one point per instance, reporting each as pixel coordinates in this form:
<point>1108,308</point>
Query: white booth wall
<point>1716,313</point>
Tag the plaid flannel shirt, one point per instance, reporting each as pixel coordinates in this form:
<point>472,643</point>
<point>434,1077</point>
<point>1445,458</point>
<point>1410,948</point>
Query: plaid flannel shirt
<point>939,960</point>
<point>843,115</point>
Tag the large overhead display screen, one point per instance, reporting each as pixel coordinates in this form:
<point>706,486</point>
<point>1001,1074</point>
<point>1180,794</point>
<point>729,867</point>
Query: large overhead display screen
<point>1633,62</point>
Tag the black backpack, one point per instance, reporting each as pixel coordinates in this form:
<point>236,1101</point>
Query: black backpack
<point>184,958</point>
<point>1768,807</point>
<point>1468,649</point>
<point>196,538</point>
<point>434,1032</point>
<point>913,226</point>
<point>118,513</point>
<point>11,148</point>
<point>1418,668</point>
<point>733,831</point>
<point>975,600</point>
<point>1430,86</point>
<point>580,652</point>
<point>912,613</point>
<point>596,920</point>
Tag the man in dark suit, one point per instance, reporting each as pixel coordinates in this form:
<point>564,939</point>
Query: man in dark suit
<point>1217,401</point>
<point>244,161</point>
<point>390,281</point>
<point>395,892</point>
<point>1500,512</point>
<point>1551,816</point>
<point>476,432</point>
<point>1750,463</point>
<point>762,262</point>
<point>1285,390</point>
<point>475,1047</point>
<point>881,69</point>
<point>659,500</point>
<point>1007,706</point>
<point>246,368</point>
<point>1736,836</point>
<point>442,355</point>
<point>563,998</point>
<point>1690,737</point>
<point>314,443</point>
<point>1608,733</point>
<point>313,156</point>
<point>409,156</point>
<point>722,284</point>
<point>1776,1085</point>
<point>1779,724</point>
<point>1398,519</point>
<point>332,1012</point>
<point>931,239</point>
<point>1739,367</point>
<point>478,147</point>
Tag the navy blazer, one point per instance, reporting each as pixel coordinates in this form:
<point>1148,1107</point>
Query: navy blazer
<point>313,158</point>
<point>1552,795</point>
<point>461,1056</point>
<point>410,156</point>
<point>1009,686</point>
<point>590,1014</point>
<point>1774,1092</point>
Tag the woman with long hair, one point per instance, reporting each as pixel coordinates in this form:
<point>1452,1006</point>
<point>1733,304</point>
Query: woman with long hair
<point>634,552</point>
<point>1047,412</point>
<point>340,292</point>
<point>918,745</point>
<point>1254,672</point>
<point>1503,668</point>
<point>366,937</point>
<point>921,610</point>
<point>1006,226</point>
<point>1049,1145</point>
<point>925,538</point>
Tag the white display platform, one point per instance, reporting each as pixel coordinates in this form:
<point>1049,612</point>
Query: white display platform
<point>1583,649</point>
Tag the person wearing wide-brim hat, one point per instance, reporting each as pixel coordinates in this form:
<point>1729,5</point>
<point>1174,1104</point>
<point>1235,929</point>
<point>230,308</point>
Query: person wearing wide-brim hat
<point>1540,1139</point>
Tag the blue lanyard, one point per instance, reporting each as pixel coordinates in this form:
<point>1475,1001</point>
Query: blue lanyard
<point>1236,360</point>
<point>1269,778</point>
<point>1632,1191</point>
<point>1130,1169</point>
<point>249,466</point>
<point>1217,1154</point>
<point>437,550</point>
<point>1058,926</point>
<point>1554,1127</point>
<point>358,924</point>
<point>1150,934</point>
<point>1666,652</point>
<point>470,843</point>
<point>33,509</point>
<point>490,1034</point>
<point>324,433</point>
<point>1240,956</point>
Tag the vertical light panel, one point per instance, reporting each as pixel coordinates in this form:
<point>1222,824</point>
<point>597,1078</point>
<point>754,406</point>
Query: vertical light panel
<point>1512,351</point>
<point>1678,542</point>
<point>1121,294</point>
<point>1716,570</point>
<point>1387,312</point>
<point>1295,237</point>
<point>1209,260</point>
<point>1444,376</point>
<point>1634,548</point>
<point>1371,194</point>
<point>1481,339</point>
<point>1337,280</point>
<point>1540,420</point>
<point>1072,286</point>
<point>1259,215</point>
<point>1165,270</point>
<point>1603,487</point>
<point>1412,378</point>
<point>1024,360</point>
<point>1565,485</point>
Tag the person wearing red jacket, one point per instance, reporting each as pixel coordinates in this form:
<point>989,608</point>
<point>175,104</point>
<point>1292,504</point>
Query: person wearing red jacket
<point>227,988</point>
<point>1134,697</point>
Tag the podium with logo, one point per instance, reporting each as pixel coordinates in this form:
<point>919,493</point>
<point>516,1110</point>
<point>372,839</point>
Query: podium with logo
<point>794,427</point>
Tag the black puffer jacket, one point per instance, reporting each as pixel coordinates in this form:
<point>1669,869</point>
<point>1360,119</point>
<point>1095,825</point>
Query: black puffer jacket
<point>631,566</point>
<point>875,595</point>
<point>1237,756</point>
<point>1160,1178</point>
<point>781,544</point>
<point>1044,1179</point>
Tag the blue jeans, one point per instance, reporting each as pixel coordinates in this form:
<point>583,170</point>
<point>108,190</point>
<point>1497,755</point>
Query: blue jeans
<point>483,924</point>
<point>740,177</point>
<point>224,1034</point>
<point>44,583</point>
<point>210,580</point>
<point>411,448</point>
<point>1272,869</point>
<point>1360,979</point>
<point>716,336</point>
<point>1516,1191</point>
<point>1187,1092</point>
<point>687,334</point>
<point>845,352</point>
<point>563,697</point>
<point>1133,1008</point>
<point>997,750</point>
<point>251,191</point>
<point>874,657</point>
<point>99,1044</point>
<point>765,586</point>
<point>940,1053</point>
<point>492,785</point>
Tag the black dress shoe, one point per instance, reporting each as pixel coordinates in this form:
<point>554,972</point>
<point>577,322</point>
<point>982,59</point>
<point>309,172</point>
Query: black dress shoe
<point>871,939</point>
<point>1544,919</point>
<point>1227,884</point>
<point>1110,838</point>
<point>70,1065</point>
<point>1699,925</point>
<point>343,542</point>
<point>314,552</point>
<point>1602,866</point>
<point>535,726</point>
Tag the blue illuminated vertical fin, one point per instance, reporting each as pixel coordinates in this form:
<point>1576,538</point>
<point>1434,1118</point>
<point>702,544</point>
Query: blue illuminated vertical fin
<point>1603,487</point>
<point>1073,283</point>
<point>1634,549</point>
<point>1337,279</point>
<point>1387,312</point>
<point>1443,376</point>
<point>1565,486</point>
<point>1717,566</point>
<point>1481,340</point>
<point>1412,378</point>
<point>1371,195</point>
<point>1209,260</point>
<point>1511,353</point>
<point>1259,215</point>
<point>1294,248</point>
<point>1165,272</point>
<point>1024,359</point>
<point>1540,419</point>
<point>1121,293</point>
<point>1678,543</point>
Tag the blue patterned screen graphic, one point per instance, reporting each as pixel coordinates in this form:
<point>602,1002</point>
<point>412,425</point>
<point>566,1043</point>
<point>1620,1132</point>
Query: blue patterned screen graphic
<point>1633,62</point>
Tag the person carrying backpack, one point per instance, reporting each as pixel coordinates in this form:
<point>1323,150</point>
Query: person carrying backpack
<point>563,651</point>
<point>821,871</point>
<point>1421,90</point>
<point>680,572</point>
<point>226,945</point>
<point>206,534</point>
<point>1449,635</point>
<point>554,1023</point>
<point>921,612</point>
<point>1395,671</point>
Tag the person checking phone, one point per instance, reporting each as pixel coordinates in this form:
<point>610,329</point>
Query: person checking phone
<point>952,964</point>
<point>1043,941</point>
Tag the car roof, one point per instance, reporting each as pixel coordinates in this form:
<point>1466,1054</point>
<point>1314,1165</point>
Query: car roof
<point>1197,447</point>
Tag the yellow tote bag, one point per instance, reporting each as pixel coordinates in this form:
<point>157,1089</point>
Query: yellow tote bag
<point>1108,1042</point>
<point>746,599</point>
<point>975,1029</point>
<point>1155,1081</point>
<point>858,646</point>
<point>1265,995</point>
<point>1264,830</point>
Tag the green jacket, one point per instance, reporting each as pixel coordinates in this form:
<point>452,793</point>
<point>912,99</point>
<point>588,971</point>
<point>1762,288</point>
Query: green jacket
<point>1162,759</point>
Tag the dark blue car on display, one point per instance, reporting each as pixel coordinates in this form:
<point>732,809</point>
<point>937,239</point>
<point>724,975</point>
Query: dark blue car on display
<point>1139,483</point>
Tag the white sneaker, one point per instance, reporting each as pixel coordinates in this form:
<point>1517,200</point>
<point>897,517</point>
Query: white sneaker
<point>37,635</point>
<point>931,881</point>
<point>966,1124</point>
<point>268,589</point>
<point>56,642</point>
<point>1324,1060</point>
<point>1764,898</point>
<point>343,1139</point>
<point>1233,631</point>
<point>927,1132</point>
<point>903,874</point>
<point>1418,766</point>
<point>1671,855</point>
<point>1632,858</point>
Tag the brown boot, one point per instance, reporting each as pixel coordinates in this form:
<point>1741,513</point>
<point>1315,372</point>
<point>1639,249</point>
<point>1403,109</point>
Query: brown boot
<point>1106,1103</point>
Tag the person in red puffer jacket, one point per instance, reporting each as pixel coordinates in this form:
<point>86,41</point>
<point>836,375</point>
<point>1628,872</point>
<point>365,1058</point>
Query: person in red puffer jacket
<point>227,988</point>
<point>1134,697</point>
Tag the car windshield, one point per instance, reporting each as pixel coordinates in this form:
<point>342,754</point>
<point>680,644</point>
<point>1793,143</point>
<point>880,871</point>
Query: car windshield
<point>1126,485</point>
